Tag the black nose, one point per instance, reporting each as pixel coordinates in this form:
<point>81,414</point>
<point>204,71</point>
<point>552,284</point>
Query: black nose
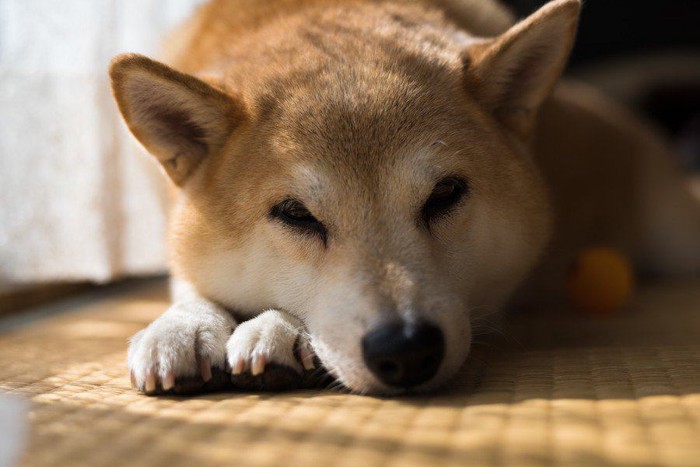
<point>404,355</point>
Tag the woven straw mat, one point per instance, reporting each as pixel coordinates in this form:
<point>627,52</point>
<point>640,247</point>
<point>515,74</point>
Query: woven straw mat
<point>552,388</point>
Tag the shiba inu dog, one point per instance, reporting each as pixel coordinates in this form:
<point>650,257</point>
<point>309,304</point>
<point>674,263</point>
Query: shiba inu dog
<point>359,180</point>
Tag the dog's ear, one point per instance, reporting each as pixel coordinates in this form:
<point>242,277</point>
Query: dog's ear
<point>177,117</point>
<point>513,73</point>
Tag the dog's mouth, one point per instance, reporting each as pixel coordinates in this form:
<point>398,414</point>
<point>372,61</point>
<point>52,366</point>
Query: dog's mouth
<point>396,358</point>
<point>324,378</point>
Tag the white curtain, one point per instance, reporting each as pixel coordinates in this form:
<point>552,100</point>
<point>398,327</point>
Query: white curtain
<point>78,198</point>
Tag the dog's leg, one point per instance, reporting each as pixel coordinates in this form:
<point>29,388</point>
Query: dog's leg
<point>269,352</point>
<point>184,350</point>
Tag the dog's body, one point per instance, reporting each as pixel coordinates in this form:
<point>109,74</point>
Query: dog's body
<point>376,174</point>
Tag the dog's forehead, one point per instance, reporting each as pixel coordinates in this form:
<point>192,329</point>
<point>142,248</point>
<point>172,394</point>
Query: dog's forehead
<point>364,126</point>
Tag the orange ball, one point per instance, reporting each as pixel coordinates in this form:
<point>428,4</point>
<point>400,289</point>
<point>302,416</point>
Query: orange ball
<point>600,281</point>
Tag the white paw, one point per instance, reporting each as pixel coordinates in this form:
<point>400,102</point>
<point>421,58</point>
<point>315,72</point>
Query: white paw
<point>186,341</point>
<point>273,337</point>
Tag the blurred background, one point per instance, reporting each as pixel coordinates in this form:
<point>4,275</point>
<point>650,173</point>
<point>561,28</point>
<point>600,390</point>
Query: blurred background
<point>645,54</point>
<point>77,207</point>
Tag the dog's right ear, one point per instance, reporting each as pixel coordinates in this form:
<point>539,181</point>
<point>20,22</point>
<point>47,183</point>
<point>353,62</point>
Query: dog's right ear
<point>177,117</point>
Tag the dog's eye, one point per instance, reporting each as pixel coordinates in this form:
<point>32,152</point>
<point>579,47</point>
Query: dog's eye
<point>446,194</point>
<point>295,214</point>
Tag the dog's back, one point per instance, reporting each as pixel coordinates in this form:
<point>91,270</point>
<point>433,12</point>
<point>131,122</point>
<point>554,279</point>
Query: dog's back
<point>222,27</point>
<point>614,181</point>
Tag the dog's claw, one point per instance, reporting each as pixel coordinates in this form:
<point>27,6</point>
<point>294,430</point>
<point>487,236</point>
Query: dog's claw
<point>205,369</point>
<point>133,379</point>
<point>258,365</point>
<point>274,378</point>
<point>169,381</point>
<point>306,355</point>
<point>239,367</point>
<point>150,381</point>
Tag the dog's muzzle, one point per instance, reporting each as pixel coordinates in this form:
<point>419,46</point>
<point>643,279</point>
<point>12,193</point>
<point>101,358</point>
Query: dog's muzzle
<point>404,354</point>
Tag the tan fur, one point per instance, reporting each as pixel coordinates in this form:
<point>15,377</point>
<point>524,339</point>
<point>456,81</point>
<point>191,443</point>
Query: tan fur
<point>358,107</point>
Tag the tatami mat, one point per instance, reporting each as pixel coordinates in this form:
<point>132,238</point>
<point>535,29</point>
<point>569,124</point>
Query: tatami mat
<point>553,389</point>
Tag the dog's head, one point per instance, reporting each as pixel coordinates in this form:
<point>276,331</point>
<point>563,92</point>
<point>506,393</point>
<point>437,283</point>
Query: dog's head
<point>384,205</point>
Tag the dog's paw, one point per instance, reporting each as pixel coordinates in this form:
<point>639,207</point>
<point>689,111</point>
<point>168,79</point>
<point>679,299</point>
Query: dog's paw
<point>269,352</point>
<point>182,351</point>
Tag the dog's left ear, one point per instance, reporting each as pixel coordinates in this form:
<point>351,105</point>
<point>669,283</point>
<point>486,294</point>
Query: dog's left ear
<point>512,74</point>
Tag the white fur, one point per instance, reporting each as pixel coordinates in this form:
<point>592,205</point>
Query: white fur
<point>253,278</point>
<point>175,344</point>
<point>271,336</point>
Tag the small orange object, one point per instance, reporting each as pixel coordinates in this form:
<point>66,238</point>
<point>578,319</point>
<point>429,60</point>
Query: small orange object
<point>600,281</point>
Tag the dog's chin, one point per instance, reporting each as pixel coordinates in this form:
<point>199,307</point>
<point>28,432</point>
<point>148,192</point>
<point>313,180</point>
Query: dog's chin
<point>361,381</point>
<point>371,387</point>
<point>343,359</point>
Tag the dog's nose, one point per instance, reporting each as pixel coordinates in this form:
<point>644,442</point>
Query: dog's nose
<point>404,355</point>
